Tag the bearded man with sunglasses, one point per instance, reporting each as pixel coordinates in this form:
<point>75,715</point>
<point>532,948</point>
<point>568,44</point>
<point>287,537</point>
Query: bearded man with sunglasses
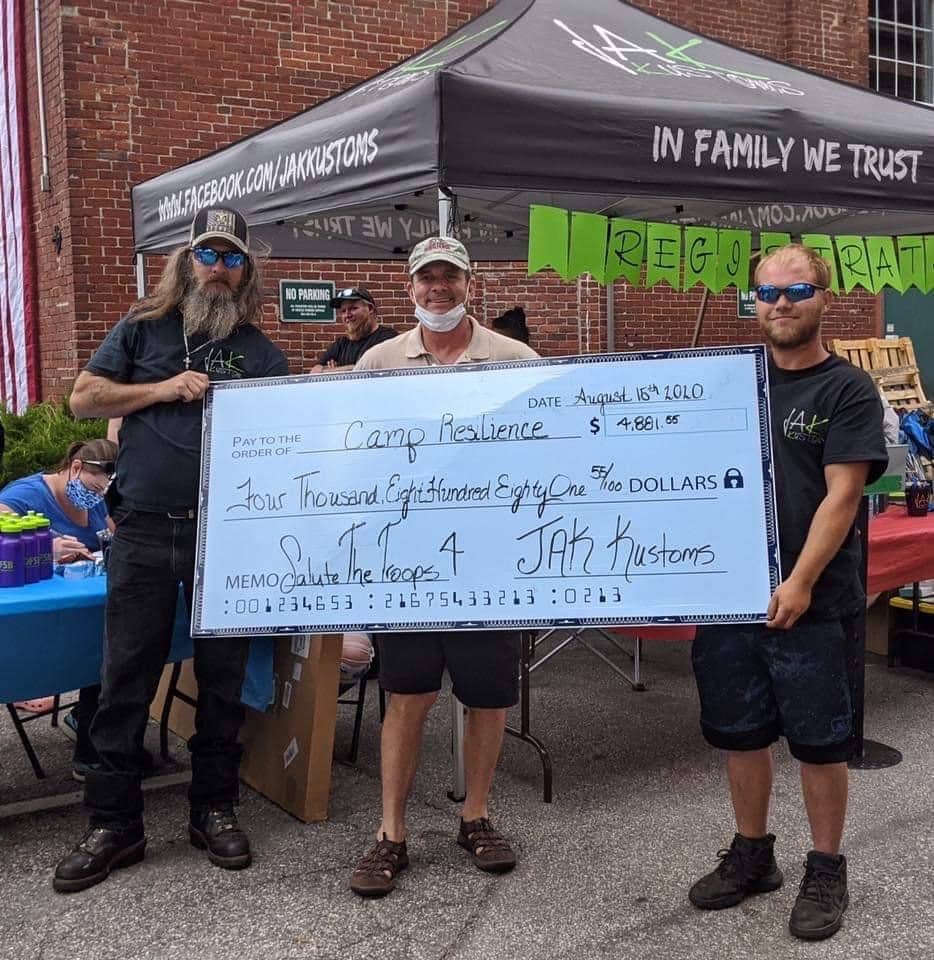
<point>199,325</point>
<point>789,677</point>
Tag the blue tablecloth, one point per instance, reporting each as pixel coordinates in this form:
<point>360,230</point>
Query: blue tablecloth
<point>51,641</point>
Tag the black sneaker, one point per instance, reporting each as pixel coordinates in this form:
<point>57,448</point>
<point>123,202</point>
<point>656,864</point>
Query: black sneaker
<point>747,867</point>
<point>822,898</point>
<point>100,850</point>
<point>217,831</point>
<point>80,770</point>
<point>69,725</point>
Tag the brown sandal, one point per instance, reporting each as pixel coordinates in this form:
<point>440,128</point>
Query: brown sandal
<point>375,875</point>
<point>489,848</point>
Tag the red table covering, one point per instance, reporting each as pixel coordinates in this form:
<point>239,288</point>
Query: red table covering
<point>901,549</point>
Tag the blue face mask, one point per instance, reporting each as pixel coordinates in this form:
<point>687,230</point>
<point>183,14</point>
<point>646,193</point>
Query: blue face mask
<point>80,496</point>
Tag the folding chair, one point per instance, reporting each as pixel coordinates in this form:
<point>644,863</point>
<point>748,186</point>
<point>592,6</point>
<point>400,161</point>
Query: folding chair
<point>342,697</point>
<point>19,722</point>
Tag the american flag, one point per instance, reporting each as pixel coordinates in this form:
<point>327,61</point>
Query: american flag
<point>18,335</point>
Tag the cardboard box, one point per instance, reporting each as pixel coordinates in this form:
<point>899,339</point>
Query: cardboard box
<point>288,749</point>
<point>914,649</point>
<point>877,625</point>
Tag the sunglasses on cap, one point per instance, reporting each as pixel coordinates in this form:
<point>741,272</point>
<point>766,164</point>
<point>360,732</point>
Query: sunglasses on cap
<point>208,257</point>
<point>768,293</point>
<point>351,293</point>
<point>105,466</point>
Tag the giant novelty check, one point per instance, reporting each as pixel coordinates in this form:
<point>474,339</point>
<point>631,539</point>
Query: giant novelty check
<point>612,489</point>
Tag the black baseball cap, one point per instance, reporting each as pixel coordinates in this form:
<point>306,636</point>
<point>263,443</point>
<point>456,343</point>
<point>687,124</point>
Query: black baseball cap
<point>222,223</point>
<point>352,293</point>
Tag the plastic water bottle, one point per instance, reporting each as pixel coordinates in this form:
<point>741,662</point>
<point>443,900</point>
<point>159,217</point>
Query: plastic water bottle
<point>43,531</point>
<point>30,549</point>
<point>12,566</point>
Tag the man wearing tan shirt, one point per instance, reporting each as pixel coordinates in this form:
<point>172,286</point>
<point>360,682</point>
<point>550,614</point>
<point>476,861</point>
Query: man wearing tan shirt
<point>483,665</point>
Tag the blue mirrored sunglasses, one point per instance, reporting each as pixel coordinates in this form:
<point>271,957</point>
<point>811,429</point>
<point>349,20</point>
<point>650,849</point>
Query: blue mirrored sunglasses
<point>208,257</point>
<point>768,293</point>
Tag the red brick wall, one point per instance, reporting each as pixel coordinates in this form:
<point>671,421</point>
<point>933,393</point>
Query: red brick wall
<point>58,356</point>
<point>827,36</point>
<point>137,88</point>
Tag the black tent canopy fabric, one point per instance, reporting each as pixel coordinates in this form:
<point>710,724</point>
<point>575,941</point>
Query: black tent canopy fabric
<point>594,106</point>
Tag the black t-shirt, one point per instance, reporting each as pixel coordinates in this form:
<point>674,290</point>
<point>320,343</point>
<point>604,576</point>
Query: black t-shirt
<point>346,352</point>
<point>159,460</point>
<point>829,413</point>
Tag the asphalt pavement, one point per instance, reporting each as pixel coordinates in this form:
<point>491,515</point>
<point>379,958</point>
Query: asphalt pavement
<point>640,809</point>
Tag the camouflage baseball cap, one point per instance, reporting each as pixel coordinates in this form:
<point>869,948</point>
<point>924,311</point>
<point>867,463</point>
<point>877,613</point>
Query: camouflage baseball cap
<point>439,248</point>
<point>222,223</point>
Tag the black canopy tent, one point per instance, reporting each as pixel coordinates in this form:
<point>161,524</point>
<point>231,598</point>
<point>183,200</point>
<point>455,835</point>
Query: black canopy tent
<point>591,106</point>
<point>594,106</point>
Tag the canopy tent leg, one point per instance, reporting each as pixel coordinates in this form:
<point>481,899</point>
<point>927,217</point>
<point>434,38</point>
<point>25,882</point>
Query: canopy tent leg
<point>610,319</point>
<point>699,322</point>
<point>140,275</point>
<point>445,203</point>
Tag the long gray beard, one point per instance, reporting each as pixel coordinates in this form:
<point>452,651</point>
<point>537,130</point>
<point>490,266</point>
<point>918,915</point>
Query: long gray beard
<point>213,311</point>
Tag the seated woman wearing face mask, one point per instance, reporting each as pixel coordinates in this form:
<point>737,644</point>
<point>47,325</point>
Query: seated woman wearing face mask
<point>72,497</point>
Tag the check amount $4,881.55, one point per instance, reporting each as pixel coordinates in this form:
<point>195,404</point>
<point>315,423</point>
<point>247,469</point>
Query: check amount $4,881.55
<point>686,421</point>
<point>637,423</point>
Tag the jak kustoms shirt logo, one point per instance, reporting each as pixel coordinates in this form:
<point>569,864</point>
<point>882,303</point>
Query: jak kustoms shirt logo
<point>809,427</point>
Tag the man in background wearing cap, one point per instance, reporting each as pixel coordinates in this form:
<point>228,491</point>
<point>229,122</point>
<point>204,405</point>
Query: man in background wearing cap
<point>484,665</point>
<point>154,367</point>
<point>356,309</point>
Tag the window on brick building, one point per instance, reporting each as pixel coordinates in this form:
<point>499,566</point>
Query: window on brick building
<point>901,48</point>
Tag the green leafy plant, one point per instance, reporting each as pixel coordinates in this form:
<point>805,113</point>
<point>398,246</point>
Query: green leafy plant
<point>37,439</point>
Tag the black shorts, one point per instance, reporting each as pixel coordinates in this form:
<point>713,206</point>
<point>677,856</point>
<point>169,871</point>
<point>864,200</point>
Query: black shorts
<point>483,664</point>
<point>757,684</point>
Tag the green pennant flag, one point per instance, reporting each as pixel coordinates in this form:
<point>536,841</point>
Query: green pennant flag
<point>929,263</point>
<point>700,257</point>
<point>663,254</point>
<point>911,262</point>
<point>883,264</point>
<point>588,245</point>
<point>823,244</point>
<point>734,248</point>
<point>772,241</point>
<point>626,250</point>
<point>548,240</point>
<point>854,264</point>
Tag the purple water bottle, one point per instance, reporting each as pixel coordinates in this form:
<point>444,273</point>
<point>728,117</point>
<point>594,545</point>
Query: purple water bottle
<point>12,572</point>
<point>43,531</point>
<point>30,550</point>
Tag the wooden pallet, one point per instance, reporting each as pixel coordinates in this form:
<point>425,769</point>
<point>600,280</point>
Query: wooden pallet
<point>891,364</point>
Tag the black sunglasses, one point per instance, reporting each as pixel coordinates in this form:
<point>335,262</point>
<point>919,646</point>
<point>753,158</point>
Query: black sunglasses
<point>208,257</point>
<point>106,466</point>
<point>768,293</point>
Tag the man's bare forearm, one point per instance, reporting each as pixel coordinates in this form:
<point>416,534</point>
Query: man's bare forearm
<point>830,525</point>
<point>95,396</point>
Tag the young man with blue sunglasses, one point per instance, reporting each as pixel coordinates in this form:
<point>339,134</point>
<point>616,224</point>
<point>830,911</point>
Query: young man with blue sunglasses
<point>198,326</point>
<point>789,676</point>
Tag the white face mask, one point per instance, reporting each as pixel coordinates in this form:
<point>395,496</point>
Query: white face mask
<point>441,322</point>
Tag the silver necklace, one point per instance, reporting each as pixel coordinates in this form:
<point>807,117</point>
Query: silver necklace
<point>189,353</point>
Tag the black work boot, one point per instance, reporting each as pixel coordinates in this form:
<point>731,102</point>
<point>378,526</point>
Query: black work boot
<point>747,867</point>
<point>822,898</point>
<point>100,850</point>
<point>217,831</point>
